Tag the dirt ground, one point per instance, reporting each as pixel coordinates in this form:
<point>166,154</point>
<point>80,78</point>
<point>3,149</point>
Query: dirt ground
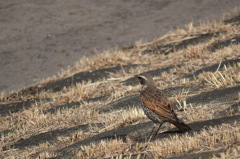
<point>39,38</point>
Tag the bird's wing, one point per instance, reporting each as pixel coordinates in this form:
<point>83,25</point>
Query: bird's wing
<point>158,103</point>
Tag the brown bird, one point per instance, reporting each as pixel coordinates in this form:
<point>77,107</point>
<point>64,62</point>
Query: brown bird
<point>156,105</point>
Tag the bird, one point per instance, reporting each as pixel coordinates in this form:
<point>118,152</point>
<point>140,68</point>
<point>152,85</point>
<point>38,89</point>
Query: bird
<point>156,105</point>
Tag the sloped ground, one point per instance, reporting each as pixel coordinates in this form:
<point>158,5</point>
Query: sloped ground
<point>93,109</point>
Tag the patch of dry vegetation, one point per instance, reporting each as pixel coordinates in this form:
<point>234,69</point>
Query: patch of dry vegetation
<point>233,151</point>
<point>214,138</point>
<point>33,121</point>
<point>229,76</point>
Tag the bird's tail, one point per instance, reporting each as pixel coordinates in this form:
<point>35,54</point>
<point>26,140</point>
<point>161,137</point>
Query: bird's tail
<point>181,126</point>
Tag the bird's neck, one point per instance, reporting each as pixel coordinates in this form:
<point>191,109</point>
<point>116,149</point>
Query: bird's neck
<point>149,88</point>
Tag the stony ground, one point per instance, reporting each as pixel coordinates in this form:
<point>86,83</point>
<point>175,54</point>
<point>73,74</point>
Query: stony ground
<point>92,110</point>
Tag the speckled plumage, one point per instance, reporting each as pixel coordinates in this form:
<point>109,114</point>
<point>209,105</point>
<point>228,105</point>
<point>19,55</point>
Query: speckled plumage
<point>156,105</point>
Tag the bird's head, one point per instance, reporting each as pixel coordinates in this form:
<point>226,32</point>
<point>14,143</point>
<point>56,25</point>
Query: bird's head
<point>145,80</point>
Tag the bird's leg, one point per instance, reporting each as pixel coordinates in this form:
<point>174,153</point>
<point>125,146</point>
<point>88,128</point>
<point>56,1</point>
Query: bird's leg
<point>153,129</point>
<point>158,128</point>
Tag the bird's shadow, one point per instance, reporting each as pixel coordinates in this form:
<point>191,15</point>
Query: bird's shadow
<point>144,138</point>
<point>171,132</point>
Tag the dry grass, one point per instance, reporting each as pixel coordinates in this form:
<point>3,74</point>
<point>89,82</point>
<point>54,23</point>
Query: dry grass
<point>33,121</point>
<point>47,122</point>
<point>132,115</point>
<point>229,76</point>
<point>233,151</point>
<point>214,138</point>
<point>211,139</point>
